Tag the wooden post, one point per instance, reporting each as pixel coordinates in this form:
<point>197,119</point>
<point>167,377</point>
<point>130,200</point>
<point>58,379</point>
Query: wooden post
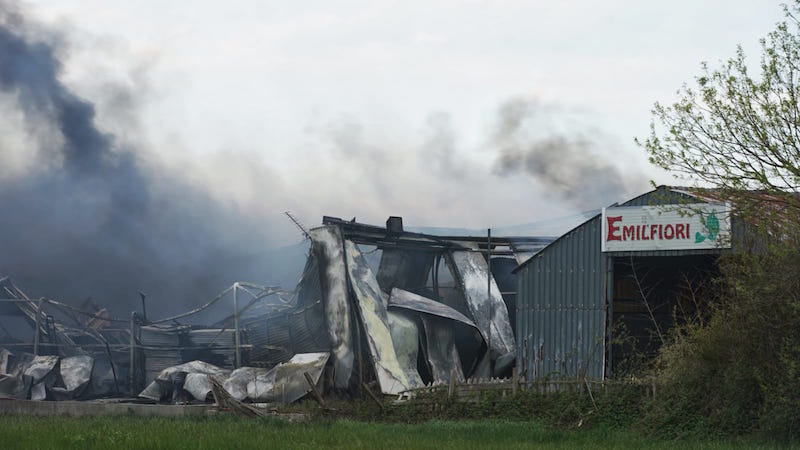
<point>514,380</point>
<point>317,395</point>
<point>451,386</point>
<point>372,395</point>
<point>591,397</point>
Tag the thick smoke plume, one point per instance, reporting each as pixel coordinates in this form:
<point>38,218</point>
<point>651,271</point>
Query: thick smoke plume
<point>88,218</point>
<point>86,212</point>
<point>576,164</point>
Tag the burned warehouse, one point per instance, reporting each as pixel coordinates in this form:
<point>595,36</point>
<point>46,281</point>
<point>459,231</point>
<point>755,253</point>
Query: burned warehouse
<point>384,310</point>
<point>376,308</point>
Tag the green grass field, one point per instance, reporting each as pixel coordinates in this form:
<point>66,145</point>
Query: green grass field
<point>231,432</point>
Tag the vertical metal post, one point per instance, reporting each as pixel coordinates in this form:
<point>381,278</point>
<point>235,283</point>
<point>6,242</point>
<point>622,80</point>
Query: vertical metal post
<point>132,361</point>
<point>608,283</point>
<point>489,289</point>
<point>237,341</point>
<point>36,326</point>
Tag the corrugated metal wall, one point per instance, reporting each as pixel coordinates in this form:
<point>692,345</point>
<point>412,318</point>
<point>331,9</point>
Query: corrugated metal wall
<point>562,299</point>
<point>561,313</point>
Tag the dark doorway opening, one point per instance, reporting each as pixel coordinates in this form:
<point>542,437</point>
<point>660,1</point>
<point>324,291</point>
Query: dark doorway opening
<point>651,295</point>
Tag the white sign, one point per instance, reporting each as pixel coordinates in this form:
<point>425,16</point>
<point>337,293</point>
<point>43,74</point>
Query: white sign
<point>666,227</point>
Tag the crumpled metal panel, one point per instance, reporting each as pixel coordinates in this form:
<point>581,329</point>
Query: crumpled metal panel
<point>327,245</point>
<point>237,383</point>
<point>42,371</point>
<point>405,336</point>
<point>440,349</point>
<point>198,385</point>
<point>290,383</point>
<point>161,386</point>
<point>76,372</point>
<point>408,300</point>
<point>284,383</point>
<point>490,314</point>
<point>41,366</point>
<point>372,310</point>
<point>12,383</point>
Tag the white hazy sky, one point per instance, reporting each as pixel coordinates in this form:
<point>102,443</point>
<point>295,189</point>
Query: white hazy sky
<point>380,108</point>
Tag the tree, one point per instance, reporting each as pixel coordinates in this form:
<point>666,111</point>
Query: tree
<point>739,133</point>
<point>738,369</point>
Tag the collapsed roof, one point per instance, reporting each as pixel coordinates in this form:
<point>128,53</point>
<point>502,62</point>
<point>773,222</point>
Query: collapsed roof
<point>380,306</point>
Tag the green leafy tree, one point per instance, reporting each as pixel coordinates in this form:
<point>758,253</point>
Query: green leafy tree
<point>738,370</point>
<point>738,132</point>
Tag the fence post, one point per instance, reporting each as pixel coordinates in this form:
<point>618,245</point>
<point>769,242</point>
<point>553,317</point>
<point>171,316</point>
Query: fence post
<point>514,380</point>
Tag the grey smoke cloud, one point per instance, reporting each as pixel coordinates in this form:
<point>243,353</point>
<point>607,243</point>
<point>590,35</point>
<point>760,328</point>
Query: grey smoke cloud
<point>575,162</point>
<point>89,217</point>
<point>89,209</point>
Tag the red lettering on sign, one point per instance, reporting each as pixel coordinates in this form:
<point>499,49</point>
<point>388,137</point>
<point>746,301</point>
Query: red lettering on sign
<point>679,231</point>
<point>669,232</point>
<point>612,229</point>
<point>628,232</point>
<point>653,229</point>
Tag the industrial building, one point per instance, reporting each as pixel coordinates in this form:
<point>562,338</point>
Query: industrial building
<point>609,289</point>
<point>385,309</point>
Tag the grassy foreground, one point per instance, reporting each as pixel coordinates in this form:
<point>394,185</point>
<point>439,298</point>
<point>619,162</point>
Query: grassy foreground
<point>231,432</point>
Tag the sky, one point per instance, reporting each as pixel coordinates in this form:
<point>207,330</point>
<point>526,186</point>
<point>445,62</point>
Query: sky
<point>221,116</point>
<point>380,108</point>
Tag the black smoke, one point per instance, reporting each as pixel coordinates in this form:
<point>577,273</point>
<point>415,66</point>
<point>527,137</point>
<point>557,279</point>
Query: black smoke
<point>89,218</point>
<point>573,162</point>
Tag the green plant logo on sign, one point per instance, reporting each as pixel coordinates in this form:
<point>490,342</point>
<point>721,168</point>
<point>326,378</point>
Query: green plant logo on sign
<point>712,226</point>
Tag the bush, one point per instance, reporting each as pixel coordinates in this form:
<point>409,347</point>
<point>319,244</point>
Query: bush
<point>739,372</point>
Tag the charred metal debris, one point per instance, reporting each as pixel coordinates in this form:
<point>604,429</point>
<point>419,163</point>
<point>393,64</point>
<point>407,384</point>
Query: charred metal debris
<point>376,308</point>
